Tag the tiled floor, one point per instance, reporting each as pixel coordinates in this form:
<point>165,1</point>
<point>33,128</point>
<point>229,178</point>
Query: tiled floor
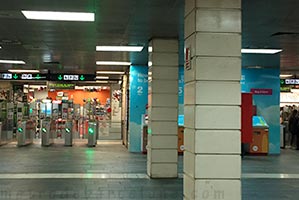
<point>110,172</point>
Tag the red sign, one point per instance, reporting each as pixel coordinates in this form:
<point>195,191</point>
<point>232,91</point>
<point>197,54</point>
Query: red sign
<point>261,91</point>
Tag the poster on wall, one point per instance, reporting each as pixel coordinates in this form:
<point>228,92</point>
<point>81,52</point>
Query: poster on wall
<point>137,104</point>
<point>265,86</point>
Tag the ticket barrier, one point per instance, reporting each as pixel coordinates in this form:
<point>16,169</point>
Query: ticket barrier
<point>92,133</point>
<point>25,133</point>
<point>47,133</point>
<point>3,136</point>
<point>68,133</point>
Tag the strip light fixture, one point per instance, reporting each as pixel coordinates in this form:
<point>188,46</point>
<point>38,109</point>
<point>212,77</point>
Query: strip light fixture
<point>119,48</point>
<point>21,62</point>
<point>102,77</point>
<point>102,82</point>
<point>23,70</point>
<point>261,51</point>
<point>59,16</point>
<point>112,63</point>
<point>285,75</point>
<point>110,72</point>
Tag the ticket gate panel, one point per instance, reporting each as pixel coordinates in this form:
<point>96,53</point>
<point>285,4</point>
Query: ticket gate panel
<point>92,133</point>
<point>47,135</point>
<point>25,133</point>
<point>68,133</point>
<point>3,137</point>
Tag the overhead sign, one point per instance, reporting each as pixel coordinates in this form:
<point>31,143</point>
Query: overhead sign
<point>72,77</point>
<point>23,76</point>
<point>289,82</point>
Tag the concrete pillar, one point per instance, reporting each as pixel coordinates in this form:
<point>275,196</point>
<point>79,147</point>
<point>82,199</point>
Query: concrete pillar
<point>212,162</point>
<point>162,157</point>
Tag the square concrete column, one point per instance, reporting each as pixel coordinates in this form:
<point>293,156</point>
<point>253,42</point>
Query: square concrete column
<point>212,162</point>
<point>162,157</point>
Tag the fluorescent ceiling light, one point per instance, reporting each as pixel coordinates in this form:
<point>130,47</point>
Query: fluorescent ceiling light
<point>59,16</point>
<point>119,48</point>
<point>21,62</point>
<point>150,49</point>
<point>110,72</point>
<point>0,47</point>
<point>102,81</point>
<point>112,63</point>
<point>261,51</point>
<point>285,75</point>
<point>102,77</point>
<point>23,70</point>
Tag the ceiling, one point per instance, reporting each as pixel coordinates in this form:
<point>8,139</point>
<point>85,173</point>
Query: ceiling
<point>70,46</point>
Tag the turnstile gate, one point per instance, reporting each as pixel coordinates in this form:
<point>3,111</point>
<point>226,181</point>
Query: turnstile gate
<point>25,133</point>
<point>92,133</point>
<point>68,133</point>
<point>47,133</point>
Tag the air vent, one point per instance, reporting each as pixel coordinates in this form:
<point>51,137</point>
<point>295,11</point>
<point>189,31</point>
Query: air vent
<point>284,34</point>
<point>8,42</point>
<point>35,46</point>
<point>52,63</point>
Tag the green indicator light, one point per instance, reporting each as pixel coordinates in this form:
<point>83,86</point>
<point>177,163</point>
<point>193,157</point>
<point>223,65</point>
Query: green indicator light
<point>15,76</point>
<point>30,110</point>
<point>90,131</point>
<point>281,82</point>
<point>38,76</point>
<point>82,78</point>
<point>20,130</point>
<point>60,77</point>
<point>149,131</point>
<point>44,130</point>
<point>67,130</point>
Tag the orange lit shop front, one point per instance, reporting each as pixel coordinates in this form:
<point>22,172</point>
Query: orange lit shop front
<point>79,95</point>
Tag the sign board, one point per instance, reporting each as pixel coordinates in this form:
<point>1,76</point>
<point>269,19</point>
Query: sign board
<point>290,82</point>
<point>261,91</point>
<point>23,76</point>
<point>72,77</point>
<point>188,58</point>
<point>61,86</point>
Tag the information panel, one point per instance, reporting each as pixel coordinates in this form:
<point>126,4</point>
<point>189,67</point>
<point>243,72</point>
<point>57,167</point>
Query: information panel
<point>23,76</point>
<point>72,77</point>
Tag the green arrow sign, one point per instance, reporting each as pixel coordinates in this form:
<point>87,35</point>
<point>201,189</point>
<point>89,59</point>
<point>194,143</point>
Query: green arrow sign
<point>67,130</point>
<point>60,77</point>
<point>38,76</point>
<point>44,130</point>
<point>281,81</point>
<point>90,131</point>
<point>15,76</point>
<point>20,130</point>
<point>82,78</point>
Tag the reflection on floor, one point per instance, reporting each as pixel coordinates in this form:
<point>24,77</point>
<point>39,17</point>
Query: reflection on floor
<point>110,172</point>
